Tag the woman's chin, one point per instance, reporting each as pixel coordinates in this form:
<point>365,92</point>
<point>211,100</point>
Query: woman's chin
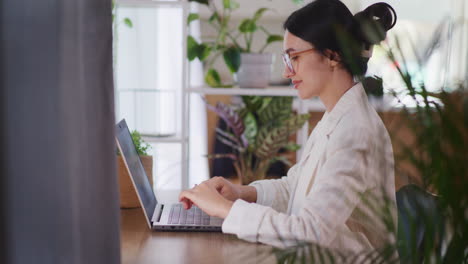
<point>305,96</point>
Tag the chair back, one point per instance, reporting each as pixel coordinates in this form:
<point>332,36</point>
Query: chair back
<point>420,224</point>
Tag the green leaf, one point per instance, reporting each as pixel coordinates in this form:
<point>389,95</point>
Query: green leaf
<point>212,78</point>
<point>204,2</point>
<point>128,22</point>
<point>273,38</point>
<point>203,51</point>
<point>192,48</point>
<point>278,109</point>
<point>285,161</point>
<point>265,102</point>
<point>292,146</point>
<point>296,122</point>
<point>232,59</point>
<point>222,34</point>
<point>251,129</point>
<point>191,17</point>
<point>258,14</point>
<point>270,140</point>
<point>234,5</point>
<point>214,17</point>
<point>247,25</point>
<point>141,146</point>
<point>255,103</point>
<point>230,4</point>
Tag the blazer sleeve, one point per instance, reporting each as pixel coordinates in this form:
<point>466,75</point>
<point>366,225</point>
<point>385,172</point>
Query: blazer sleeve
<point>276,193</point>
<point>330,202</point>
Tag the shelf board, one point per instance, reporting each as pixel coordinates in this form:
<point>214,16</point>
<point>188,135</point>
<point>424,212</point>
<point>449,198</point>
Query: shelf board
<point>269,91</point>
<point>162,138</point>
<point>151,3</point>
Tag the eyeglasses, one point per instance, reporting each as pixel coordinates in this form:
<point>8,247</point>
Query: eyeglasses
<point>287,58</point>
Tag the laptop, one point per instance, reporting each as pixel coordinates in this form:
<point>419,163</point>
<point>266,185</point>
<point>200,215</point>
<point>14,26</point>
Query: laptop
<point>165,217</point>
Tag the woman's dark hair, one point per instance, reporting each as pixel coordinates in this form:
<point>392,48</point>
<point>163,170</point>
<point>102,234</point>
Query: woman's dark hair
<point>329,25</point>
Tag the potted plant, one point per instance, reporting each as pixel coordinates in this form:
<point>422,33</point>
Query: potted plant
<point>234,43</point>
<point>257,129</point>
<point>128,197</point>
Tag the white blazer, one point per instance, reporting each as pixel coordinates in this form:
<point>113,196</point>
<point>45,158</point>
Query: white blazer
<point>347,163</point>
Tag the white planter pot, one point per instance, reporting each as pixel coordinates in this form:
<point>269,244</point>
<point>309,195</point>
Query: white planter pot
<point>254,71</point>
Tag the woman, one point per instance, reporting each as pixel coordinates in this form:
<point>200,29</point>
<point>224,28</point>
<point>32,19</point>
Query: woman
<point>348,158</point>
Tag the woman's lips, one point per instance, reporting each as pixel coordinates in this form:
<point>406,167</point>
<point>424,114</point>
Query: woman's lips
<point>296,84</point>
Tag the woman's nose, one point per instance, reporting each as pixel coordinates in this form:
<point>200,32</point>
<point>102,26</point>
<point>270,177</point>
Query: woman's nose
<point>287,73</point>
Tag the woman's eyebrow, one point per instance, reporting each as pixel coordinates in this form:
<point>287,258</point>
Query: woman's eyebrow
<point>289,50</point>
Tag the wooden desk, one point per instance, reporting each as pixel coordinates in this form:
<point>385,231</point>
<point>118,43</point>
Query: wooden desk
<point>141,245</point>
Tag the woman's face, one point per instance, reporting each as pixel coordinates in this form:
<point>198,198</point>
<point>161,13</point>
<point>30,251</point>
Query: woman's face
<point>312,71</point>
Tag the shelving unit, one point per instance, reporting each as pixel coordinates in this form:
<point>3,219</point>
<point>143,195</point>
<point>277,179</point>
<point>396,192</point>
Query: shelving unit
<point>153,3</point>
<point>179,136</point>
<point>162,138</point>
<point>182,131</point>
<point>270,91</point>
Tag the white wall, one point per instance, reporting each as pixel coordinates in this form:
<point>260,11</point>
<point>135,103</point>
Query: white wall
<point>280,8</point>
<point>420,15</point>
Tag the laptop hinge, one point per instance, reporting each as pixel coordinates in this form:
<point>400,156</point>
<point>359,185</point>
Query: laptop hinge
<point>160,213</point>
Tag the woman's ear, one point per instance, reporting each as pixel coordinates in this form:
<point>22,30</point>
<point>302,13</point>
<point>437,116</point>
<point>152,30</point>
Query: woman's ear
<point>333,58</point>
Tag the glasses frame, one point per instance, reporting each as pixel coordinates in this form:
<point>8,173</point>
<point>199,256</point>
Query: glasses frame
<point>287,58</point>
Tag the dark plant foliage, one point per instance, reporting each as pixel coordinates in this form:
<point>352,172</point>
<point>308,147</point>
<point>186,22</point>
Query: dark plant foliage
<point>258,130</point>
<point>432,228</point>
<point>229,116</point>
<point>373,86</point>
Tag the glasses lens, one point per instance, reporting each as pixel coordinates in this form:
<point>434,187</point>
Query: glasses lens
<point>287,62</point>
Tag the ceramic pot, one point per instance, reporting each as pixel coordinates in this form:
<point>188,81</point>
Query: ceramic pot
<point>254,71</point>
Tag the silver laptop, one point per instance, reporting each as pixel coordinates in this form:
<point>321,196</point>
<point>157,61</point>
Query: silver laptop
<point>167,217</point>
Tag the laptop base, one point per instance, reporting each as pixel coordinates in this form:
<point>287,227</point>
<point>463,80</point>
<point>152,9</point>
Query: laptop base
<point>171,228</point>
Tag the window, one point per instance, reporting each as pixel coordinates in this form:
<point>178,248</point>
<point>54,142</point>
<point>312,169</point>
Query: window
<point>148,81</point>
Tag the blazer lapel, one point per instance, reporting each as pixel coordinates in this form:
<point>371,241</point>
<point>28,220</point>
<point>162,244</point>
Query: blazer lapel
<point>308,168</point>
<point>316,145</point>
<point>311,140</point>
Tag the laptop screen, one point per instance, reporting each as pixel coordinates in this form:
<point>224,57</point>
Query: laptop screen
<point>136,170</point>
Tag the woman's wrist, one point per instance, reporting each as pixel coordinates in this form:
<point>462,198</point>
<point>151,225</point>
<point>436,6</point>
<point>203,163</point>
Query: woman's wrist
<point>226,209</point>
<point>248,194</point>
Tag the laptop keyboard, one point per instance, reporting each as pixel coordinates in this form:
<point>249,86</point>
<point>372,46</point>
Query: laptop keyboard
<point>193,216</point>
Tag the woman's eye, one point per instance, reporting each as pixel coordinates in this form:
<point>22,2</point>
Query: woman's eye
<point>293,58</point>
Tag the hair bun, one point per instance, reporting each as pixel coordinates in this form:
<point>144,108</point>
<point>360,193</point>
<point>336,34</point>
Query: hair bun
<point>372,24</point>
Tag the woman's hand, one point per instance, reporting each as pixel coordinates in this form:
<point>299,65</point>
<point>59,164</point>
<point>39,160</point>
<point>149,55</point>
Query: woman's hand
<point>227,189</point>
<point>207,198</point>
<point>232,191</point>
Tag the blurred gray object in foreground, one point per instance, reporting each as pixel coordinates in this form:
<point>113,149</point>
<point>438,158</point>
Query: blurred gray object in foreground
<point>60,202</point>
